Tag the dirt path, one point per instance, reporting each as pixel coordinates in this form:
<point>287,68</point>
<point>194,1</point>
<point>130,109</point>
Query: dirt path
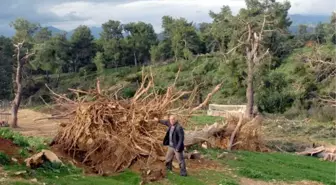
<point>246,181</point>
<point>42,128</point>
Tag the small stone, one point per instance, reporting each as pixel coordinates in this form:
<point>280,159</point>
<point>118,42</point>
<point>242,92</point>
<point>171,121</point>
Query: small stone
<point>175,165</point>
<point>33,180</point>
<point>20,172</point>
<point>14,160</point>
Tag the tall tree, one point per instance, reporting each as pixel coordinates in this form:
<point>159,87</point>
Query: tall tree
<point>182,36</point>
<point>25,30</point>
<point>113,45</point>
<point>208,44</point>
<point>112,30</point>
<point>82,47</point>
<point>141,37</point>
<point>22,43</point>
<point>42,35</point>
<point>221,29</point>
<point>51,55</point>
<point>254,26</point>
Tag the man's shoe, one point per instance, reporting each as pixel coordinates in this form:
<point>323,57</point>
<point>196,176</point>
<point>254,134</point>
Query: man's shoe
<point>184,175</point>
<point>169,166</point>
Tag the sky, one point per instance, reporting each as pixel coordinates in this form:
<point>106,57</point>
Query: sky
<point>68,14</point>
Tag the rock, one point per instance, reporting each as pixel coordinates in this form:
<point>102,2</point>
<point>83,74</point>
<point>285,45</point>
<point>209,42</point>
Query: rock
<point>14,160</point>
<point>33,180</point>
<point>205,145</point>
<point>39,158</point>
<point>20,173</point>
<point>175,165</point>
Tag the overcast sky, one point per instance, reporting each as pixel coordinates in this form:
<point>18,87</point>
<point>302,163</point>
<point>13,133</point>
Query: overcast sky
<point>68,14</point>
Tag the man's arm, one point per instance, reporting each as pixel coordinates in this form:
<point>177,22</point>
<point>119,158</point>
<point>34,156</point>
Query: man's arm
<point>180,133</point>
<point>163,122</point>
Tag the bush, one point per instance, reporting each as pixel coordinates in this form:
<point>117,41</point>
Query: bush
<point>128,92</point>
<point>4,159</point>
<point>273,96</point>
<point>323,113</point>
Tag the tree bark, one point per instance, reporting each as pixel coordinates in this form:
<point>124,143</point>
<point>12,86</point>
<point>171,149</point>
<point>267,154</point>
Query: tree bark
<point>135,59</point>
<point>199,136</point>
<point>249,92</point>
<point>18,91</point>
<point>18,82</point>
<point>326,153</point>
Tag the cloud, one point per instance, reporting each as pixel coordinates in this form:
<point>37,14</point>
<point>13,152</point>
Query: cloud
<point>144,10</point>
<point>319,7</point>
<point>68,14</point>
<point>153,10</point>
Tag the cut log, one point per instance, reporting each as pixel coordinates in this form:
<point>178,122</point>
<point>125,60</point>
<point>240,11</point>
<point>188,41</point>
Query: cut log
<point>325,153</point>
<point>192,155</point>
<point>199,136</point>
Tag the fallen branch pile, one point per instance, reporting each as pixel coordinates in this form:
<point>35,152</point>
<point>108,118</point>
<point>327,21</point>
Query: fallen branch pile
<point>108,134</point>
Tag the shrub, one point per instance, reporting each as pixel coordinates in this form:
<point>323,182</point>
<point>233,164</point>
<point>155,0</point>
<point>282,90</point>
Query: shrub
<point>323,113</point>
<point>4,159</point>
<point>273,96</point>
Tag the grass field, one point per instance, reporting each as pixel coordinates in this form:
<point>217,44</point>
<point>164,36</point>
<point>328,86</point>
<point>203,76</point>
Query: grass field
<point>265,167</point>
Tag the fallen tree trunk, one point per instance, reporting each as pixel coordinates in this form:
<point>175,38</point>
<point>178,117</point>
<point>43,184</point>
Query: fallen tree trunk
<point>325,153</point>
<point>199,136</point>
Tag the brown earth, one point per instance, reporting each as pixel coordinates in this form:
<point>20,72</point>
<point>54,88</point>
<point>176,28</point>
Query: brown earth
<point>246,181</point>
<point>42,128</point>
<point>8,147</point>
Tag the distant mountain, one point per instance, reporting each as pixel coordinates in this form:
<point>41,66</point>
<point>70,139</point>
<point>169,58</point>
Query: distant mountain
<point>55,30</point>
<point>95,31</point>
<point>297,19</point>
<point>310,20</point>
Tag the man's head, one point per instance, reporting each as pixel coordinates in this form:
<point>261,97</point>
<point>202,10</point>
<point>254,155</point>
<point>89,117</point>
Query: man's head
<point>172,119</point>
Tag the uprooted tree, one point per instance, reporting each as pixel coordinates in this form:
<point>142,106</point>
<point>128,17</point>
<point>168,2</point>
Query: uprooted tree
<point>109,134</point>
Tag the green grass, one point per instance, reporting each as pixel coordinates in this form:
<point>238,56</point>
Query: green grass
<point>55,174</point>
<point>35,143</point>
<point>63,175</point>
<point>4,159</point>
<point>203,119</point>
<point>203,177</point>
<point>283,167</point>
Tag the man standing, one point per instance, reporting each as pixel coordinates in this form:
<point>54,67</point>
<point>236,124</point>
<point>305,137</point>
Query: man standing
<point>174,139</point>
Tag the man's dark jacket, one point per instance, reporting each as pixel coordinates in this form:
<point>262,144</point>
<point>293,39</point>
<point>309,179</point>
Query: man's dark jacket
<point>178,136</point>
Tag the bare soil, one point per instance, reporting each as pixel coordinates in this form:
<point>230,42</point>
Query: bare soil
<point>42,128</point>
<point>8,147</point>
<point>246,181</point>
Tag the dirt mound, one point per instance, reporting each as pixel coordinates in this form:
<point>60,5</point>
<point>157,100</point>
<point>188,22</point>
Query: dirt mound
<point>8,147</point>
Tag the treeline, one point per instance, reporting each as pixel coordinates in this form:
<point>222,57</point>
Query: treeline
<point>135,44</point>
